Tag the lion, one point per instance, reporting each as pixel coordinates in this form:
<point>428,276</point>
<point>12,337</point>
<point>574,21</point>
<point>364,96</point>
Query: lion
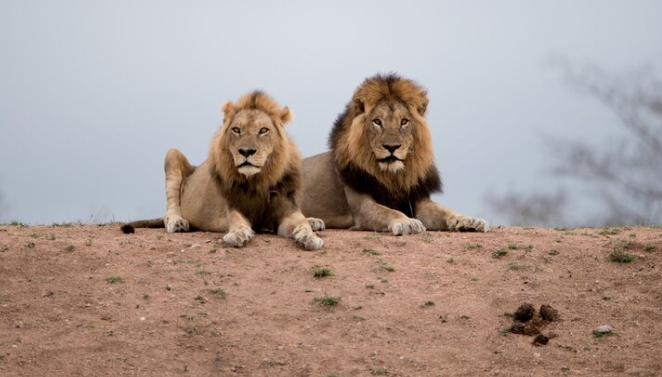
<point>250,181</point>
<point>380,172</point>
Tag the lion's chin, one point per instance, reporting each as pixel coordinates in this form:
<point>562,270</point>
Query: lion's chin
<point>249,170</point>
<point>393,166</point>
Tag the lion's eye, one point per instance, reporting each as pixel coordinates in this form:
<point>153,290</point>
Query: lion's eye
<point>404,122</point>
<point>236,130</point>
<point>263,130</point>
<point>377,122</point>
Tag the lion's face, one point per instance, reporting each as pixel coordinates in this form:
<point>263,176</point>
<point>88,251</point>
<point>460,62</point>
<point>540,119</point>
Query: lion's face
<point>251,138</point>
<point>391,134</point>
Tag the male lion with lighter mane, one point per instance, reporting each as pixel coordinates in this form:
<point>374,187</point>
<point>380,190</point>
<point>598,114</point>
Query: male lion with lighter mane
<point>250,182</point>
<point>380,172</point>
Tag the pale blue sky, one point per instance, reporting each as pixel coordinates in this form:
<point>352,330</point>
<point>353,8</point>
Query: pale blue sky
<point>93,93</point>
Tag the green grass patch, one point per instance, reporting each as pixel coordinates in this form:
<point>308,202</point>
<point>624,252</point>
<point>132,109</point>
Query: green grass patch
<point>609,232</point>
<point>114,280</point>
<point>371,252</point>
<point>62,225</point>
<point>326,300</point>
<point>499,253</point>
<point>320,272</point>
<point>428,304</point>
<point>553,252</point>
<point>514,267</point>
<point>472,246</point>
<point>218,292</point>
<point>649,248</point>
<point>620,256</point>
<point>598,334</point>
<point>386,267</point>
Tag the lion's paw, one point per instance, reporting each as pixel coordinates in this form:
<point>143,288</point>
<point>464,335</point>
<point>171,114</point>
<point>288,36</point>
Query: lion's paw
<point>467,224</point>
<point>316,224</point>
<point>305,236</point>
<point>408,226</point>
<point>239,236</point>
<point>176,223</point>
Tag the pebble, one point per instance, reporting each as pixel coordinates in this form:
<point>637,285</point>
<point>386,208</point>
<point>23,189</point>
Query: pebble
<point>604,329</point>
<point>142,318</point>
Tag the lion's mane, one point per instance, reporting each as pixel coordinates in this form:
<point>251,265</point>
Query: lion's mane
<point>355,160</point>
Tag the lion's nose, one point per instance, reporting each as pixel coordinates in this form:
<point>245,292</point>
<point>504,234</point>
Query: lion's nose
<point>391,147</point>
<point>247,151</point>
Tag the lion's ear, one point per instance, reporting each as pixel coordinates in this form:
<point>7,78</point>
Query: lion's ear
<point>359,106</point>
<point>423,106</point>
<point>228,110</point>
<point>286,115</point>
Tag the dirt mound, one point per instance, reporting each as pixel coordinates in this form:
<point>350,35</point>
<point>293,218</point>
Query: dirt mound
<point>90,300</point>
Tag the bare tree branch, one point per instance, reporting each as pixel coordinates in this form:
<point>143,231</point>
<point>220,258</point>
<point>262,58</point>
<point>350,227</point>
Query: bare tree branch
<point>626,173</point>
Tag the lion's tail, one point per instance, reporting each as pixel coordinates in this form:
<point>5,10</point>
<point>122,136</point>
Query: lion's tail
<point>151,223</point>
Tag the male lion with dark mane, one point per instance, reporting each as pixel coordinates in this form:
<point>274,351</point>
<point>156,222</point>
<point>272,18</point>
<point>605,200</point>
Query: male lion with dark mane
<point>250,182</point>
<point>380,172</point>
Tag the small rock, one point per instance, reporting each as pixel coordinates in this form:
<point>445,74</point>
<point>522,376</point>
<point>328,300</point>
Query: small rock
<point>604,329</point>
<point>525,312</point>
<point>142,318</point>
<point>548,313</point>
<point>540,340</point>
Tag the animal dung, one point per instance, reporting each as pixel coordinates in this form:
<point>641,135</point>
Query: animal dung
<point>525,312</point>
<point>548,313</point>
<point>528,321</point>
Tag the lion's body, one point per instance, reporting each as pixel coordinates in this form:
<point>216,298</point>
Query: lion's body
<point>250,182</point>
<point>380,172</point>
<point>201,203</point>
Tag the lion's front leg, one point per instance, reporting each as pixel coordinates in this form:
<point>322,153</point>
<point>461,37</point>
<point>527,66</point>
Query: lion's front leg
<point>370,215</point>
<point>437,217</point>
<point>240,230</point>
<point>296,226</point>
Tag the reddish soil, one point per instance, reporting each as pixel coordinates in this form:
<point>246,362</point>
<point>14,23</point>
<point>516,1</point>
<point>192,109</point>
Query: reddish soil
<point>436,304</point>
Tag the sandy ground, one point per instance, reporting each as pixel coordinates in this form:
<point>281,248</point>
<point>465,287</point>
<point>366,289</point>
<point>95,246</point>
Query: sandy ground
<point>91,301</point>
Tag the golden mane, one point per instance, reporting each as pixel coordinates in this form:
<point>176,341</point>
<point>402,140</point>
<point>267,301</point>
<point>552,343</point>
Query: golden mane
<point>285,158</point>
<point>349,138</point>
